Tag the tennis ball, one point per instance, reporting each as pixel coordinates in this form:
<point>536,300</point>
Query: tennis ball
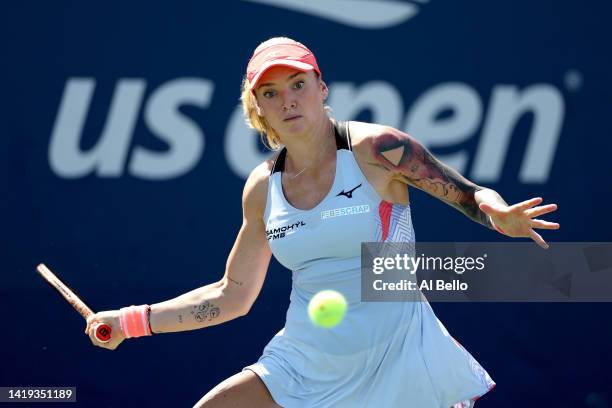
<point>326,309</point>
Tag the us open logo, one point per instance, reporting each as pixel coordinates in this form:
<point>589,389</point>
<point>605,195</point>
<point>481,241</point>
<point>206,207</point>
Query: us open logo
<point>364,14</point>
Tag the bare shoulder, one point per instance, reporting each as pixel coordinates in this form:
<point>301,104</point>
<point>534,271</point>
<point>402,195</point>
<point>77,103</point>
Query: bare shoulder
<point>371,142</point>
<point>362,132</point>
<point>366,138</point>
<point>255,190</point>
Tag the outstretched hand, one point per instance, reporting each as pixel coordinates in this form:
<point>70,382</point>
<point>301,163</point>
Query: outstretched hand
<point>519,220</point>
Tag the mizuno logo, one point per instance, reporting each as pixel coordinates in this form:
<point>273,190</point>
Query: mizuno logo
<point>348,194</point>
<point>366,14</point>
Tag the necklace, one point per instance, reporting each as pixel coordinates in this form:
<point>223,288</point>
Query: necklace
<point>315,158</point>
<point>301,171</point>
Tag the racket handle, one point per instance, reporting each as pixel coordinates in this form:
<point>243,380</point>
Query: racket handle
<point>103,332</point>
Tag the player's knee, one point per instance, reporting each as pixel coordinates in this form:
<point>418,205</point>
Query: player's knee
<point>244,389</point>
<point>217,397</point>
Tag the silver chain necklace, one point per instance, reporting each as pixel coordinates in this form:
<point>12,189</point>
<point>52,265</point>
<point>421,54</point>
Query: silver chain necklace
<point>313,160</point>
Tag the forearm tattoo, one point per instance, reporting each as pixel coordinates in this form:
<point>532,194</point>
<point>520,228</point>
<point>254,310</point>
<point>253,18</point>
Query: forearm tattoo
<point>234,281</point>
<point>413,164</point>
<point>205,311</point>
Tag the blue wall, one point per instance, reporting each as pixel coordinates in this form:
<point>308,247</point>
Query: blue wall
<point>123,154</point>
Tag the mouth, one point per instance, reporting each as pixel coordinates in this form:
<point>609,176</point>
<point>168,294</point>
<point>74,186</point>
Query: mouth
<point>292,118</point>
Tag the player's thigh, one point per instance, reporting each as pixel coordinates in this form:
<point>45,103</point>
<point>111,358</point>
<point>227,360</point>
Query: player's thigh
<point>242,390</point>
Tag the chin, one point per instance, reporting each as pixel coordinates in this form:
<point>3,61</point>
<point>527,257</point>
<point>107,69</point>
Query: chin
<point>296,127</point>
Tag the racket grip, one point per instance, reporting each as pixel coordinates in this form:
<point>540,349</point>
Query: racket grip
<point>103,332</point>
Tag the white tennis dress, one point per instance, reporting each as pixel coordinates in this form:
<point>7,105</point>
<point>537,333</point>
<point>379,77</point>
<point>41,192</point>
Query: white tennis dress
<point>383,354</point>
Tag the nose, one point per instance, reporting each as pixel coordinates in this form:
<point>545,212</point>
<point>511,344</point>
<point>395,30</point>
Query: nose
<point>288,102</point>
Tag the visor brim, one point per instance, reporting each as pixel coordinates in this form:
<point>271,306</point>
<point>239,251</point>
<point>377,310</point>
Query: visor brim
<point>299,65</point>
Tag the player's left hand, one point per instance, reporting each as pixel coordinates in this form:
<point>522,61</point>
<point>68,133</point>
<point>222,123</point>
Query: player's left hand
<point>519,220</point>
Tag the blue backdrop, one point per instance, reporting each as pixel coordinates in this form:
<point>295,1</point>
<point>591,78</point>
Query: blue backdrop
<point>123,153</point>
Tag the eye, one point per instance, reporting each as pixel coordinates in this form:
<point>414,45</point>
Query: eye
<point>269,94</point>
<point>299,85</point>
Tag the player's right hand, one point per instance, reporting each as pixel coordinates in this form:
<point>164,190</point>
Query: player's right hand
<point>111,318</point>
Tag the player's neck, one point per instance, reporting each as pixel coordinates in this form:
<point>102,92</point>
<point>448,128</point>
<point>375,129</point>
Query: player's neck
<point>306,154</point>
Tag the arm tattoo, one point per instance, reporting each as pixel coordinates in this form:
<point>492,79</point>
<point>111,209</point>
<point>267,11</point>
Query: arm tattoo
<point>410,162</point>
<point>234,281</point>
<point>205,311</point>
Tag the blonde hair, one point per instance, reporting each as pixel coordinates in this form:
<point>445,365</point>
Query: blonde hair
<point>249,108</point>
<point>269,137</point>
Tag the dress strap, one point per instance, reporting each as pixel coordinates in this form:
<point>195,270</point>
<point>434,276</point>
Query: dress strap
<point>343,141</point>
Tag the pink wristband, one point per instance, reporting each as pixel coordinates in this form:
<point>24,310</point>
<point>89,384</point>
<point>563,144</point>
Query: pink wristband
<point>134,321</point>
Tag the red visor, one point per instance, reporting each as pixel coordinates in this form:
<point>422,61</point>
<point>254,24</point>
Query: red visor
<point>286,53</point>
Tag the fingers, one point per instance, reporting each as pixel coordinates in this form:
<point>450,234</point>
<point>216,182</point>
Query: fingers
<point>527,204</point>
<point>538,239</point>
<point>92,336</point>
<point>90,321</point>
<point>537,211</point>
<point>535,223</point>
<point>102,318</point>
<point>111,345</point>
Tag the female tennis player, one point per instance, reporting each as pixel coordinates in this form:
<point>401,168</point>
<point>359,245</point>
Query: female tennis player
<point>331,186</point>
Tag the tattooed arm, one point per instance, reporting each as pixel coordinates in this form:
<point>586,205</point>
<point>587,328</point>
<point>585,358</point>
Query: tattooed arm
<point>246,268</point>
<point>409,162</point>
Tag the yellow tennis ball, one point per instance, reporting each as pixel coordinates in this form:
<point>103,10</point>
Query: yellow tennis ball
<point>327,308</point>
